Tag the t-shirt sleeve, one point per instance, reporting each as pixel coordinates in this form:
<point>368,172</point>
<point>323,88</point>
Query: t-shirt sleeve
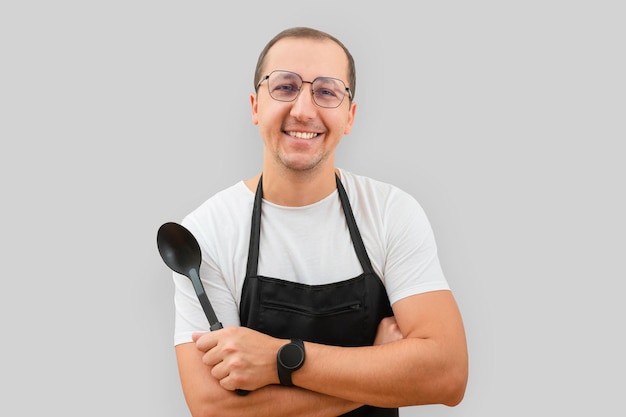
<point>412,264</point>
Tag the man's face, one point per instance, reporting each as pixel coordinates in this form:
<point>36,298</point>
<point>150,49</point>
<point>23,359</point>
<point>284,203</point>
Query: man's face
<point>300,135</point>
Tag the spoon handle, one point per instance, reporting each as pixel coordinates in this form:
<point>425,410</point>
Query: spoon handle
<point>204,300</point>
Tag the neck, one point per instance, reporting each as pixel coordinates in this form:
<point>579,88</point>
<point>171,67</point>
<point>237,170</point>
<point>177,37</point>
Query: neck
<point>295,189</point>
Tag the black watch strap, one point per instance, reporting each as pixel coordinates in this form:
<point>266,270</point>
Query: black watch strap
<point>290,358</point>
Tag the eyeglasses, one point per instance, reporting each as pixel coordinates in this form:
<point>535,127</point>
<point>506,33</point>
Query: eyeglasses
<point>286,85</point>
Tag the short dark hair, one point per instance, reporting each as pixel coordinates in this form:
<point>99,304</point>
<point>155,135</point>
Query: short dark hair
<point>306,33</point>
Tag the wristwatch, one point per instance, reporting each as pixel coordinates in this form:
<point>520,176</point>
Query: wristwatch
<point>290,358</point>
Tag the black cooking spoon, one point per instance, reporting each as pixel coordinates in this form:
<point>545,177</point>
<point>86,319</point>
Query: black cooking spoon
<point>181,252</point>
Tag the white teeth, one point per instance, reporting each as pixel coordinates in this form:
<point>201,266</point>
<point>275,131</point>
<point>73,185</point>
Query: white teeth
<point>302,135</point>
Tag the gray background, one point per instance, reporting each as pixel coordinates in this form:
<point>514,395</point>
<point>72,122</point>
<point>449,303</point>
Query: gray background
<point>504,119</point>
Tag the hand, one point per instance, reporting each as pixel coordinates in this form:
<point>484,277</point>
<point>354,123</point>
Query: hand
<point>240,358</point>
<point>388,331</point>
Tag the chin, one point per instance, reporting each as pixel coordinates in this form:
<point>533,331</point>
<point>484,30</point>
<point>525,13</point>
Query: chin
<point>301,164</point>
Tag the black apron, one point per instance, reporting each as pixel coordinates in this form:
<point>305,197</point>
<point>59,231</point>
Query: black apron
<point>345,313</point>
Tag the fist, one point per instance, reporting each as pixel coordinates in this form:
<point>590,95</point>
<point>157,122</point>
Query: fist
<point>388,331</point>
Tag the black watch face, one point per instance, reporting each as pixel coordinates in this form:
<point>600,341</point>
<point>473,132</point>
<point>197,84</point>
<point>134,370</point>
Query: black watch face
<point>291,356</point>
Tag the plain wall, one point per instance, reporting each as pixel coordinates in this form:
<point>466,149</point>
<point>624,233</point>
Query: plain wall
<point>504,119</point>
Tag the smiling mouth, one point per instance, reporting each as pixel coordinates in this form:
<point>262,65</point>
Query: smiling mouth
<point>302,135</point>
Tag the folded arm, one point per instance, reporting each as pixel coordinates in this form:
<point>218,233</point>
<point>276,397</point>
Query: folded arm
<point>427,366</point>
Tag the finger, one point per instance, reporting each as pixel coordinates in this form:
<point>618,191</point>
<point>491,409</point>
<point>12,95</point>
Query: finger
<point>206,341</point>
<point>213,357</point>
<point>219,371</point>
<point>232,382</point>
<point>196,336</point>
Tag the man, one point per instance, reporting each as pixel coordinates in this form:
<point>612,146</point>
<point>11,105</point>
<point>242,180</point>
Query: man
<point>328,283</point>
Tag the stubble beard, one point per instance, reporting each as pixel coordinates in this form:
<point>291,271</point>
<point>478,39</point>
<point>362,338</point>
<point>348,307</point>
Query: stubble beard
<point>299,164</point>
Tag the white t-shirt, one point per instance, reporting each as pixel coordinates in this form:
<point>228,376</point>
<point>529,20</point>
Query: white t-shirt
<point>309,244</point>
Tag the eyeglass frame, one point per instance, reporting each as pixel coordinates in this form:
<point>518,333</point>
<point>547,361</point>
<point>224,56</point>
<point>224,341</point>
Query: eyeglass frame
<point>266,77</point>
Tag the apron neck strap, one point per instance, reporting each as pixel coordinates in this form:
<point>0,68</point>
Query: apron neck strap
<point>357,241</point>
<point>255,230</point>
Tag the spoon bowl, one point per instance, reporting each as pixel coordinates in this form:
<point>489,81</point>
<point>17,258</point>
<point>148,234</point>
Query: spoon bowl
<point>179,248</point>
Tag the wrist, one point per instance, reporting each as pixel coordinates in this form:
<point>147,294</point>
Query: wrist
<point>289,359</point>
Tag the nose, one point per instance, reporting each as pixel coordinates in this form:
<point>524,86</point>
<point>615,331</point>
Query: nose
<point>303,106</point>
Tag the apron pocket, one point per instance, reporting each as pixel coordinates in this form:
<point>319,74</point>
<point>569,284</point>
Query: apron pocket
<point>348,307</point>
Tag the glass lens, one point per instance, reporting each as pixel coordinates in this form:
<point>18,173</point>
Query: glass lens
<point>328,92</point>
<point>284,85</point>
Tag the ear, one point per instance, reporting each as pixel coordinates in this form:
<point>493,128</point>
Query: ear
<point>255,105</point>
<point>351,114</point>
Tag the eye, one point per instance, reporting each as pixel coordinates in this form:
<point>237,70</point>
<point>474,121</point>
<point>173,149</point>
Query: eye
<point>325,92</point>
<point>286,88</point>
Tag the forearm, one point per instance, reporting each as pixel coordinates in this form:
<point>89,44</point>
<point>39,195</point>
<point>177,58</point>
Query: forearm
<point>207,398</point>
<point>277,401</point>
<point>407,372</point>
